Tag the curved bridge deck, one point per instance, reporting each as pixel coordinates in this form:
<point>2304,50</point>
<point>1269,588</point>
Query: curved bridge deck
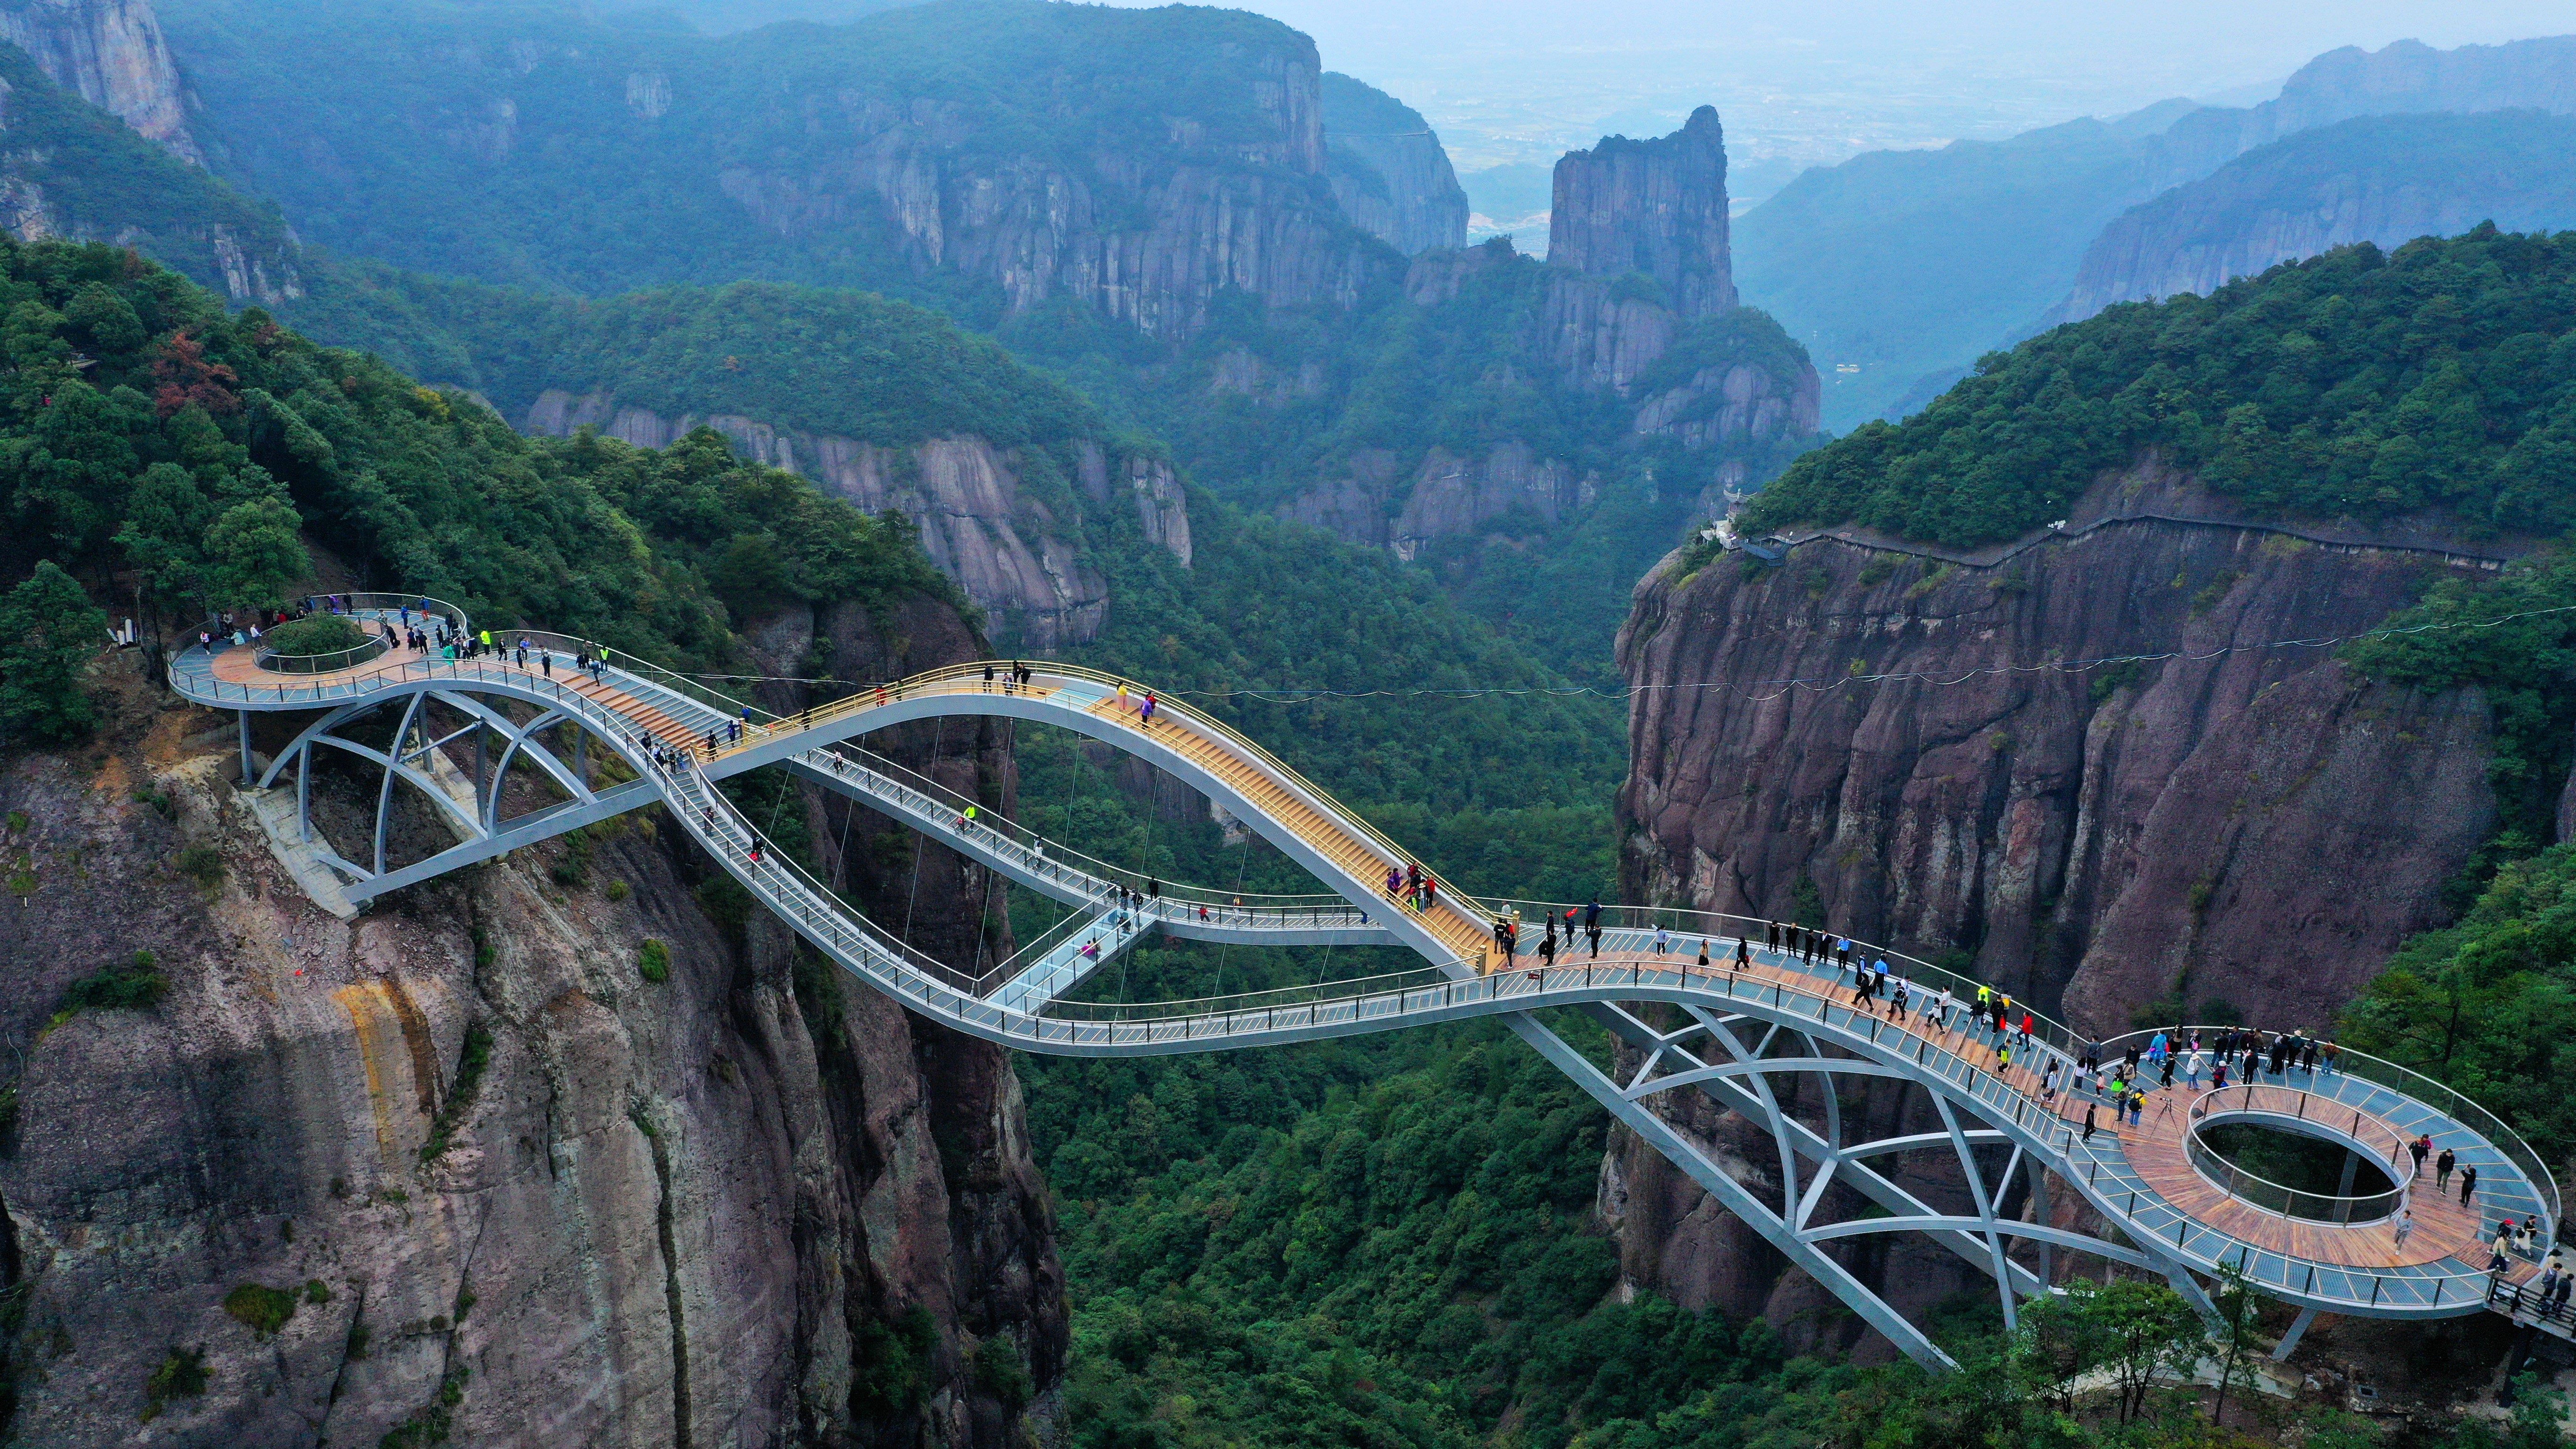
<point>2169,1213</point>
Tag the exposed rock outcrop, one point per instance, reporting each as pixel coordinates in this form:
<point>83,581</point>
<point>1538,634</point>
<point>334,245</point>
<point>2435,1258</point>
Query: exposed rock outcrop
<point>56,144</point>
<point>2384,179</point>
<point>477,1171</point>
<point>1378,503</point>
<point>2098,840</point>
<point>1007,155</point>
<point>1007,548</point>
<point>1388,170</point>
<point>1744,411</point>
<point>2258,828</point>
<point>1657,207</point>
<point>111,54</point>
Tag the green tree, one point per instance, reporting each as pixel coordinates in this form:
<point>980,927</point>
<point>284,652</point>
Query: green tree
<point>2142,1331</point>
<point>255,555</point>
<point>2236,1338</point>
<point>48,631</point>
<point>165,530</point>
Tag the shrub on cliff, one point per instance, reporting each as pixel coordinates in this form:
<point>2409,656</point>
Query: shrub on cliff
<point>2356,384</point>
<point>129,987</point>
<point>264,1309</point>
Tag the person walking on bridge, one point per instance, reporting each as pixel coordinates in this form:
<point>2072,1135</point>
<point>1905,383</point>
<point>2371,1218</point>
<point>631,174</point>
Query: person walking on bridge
<point>2405,1225</point>
<point>1145,716</point>
<point>2468,1185</point>
<point>988,678</point>
<point>2417,1149</point>
<point>1743,953</point>
<point>2442,1166</point>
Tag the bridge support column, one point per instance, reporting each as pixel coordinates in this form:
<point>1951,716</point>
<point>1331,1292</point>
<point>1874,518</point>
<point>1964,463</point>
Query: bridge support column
<point>2351,1167</point>
<point>248,776</point>
<point>2298,1325</point>
<point>304,794</point>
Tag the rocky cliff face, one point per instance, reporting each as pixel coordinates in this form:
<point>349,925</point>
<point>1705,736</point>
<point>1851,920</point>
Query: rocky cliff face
<point>1388,170</point>
<point>1002,156</point>
<point>1591,335</point>
<point>2097,841</point>
<point>1657,207</point>
<point>70,167</point>
<point>2182,832</point>
<point>2385,180</point>
<point>111,54</point>
<point>1445,496</point>
<point>501,1186</point>
<point>1012,552</point>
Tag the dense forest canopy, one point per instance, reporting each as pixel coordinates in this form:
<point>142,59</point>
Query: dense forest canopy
<point>827,361</point>
<point>149,429</point>
<point>2354,385</point>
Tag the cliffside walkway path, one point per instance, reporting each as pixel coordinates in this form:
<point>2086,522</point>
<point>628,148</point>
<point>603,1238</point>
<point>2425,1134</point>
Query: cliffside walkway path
<point>1982,1164</point>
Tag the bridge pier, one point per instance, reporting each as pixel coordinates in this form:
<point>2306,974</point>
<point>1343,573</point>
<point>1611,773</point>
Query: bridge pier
<point>2299,1325</point>
<point>248,776</point>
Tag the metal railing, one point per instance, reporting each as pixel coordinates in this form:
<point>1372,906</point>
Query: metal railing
<point>332,663</point>
<point>968,679</point>
<point>2242,1183</point>
<point>2414,1085</point>
<point>920,796</point>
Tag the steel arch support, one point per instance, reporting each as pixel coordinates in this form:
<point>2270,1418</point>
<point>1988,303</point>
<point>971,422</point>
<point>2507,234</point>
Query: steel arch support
<point>1713,1179</point>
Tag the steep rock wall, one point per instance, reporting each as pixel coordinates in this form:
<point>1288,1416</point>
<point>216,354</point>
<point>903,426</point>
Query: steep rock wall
<point>1657,207</point>
<point>1387,169</point>
<point>752,1204</point>
<point>2259,828</point>
<point>2098,841</point>
<point>1595,336</point>
<point>110,53</point>
<point>1376,502</point>
<point>1008,549</point>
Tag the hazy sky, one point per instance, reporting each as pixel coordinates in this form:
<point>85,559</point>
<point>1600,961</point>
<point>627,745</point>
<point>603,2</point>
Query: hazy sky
<point>1520,80</point>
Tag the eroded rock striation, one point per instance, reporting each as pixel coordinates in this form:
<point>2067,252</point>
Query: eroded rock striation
<point>1388,170</point>
<point>111,54</point>
<point>2180,830</point>
<point>458,1163</point>
<point>1657,207</point>
<point>1015,555</point>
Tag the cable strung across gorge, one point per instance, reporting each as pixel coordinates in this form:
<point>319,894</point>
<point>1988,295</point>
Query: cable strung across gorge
<point>1779,687</point>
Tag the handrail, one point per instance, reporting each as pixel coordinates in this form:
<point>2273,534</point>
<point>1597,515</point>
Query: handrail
<point>948,801</point>
<point>2263,1192</point>
<point>972,673</point>
<point>375,647</point>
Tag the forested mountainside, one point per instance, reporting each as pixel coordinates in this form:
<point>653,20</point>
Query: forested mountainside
<point>482,1164</point>
<point>2380,179</point>
<point>1268,339</point>
<point>1910,265</point>
<point>985,154</point>
<point>2360,385</point>
<point>70,169</point>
